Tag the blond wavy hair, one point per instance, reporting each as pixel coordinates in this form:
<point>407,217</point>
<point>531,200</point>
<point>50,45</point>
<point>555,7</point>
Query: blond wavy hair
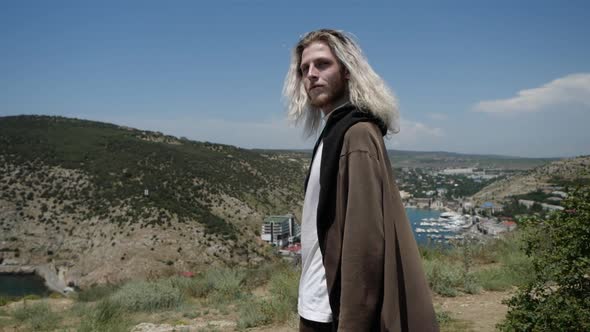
<point>367,91</point>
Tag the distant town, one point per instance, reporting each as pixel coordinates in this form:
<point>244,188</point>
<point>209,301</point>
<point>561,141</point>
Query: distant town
<point>450,191</point>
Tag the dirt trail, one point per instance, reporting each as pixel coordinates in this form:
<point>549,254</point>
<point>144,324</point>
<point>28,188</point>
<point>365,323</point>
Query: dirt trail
<point>482,310</point>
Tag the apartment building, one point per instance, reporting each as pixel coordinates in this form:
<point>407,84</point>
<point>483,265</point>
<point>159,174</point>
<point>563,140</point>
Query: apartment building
<point>280,230</point>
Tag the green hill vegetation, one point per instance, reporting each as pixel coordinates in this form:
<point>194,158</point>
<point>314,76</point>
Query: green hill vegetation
<point>70,188</point>
<point>439,160</point>
<point>555,298</point>
<point>182,177</point>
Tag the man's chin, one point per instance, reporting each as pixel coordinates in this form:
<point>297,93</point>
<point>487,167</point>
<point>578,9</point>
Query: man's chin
<point>318,101</point>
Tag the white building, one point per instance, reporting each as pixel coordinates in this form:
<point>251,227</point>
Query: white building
<point>280,230</point>
<point>492,228</point>
<point>437,205</point>
<point>559,193</point>
<point>457,171</point>
<point>404,194</point>
<point>545,206</point>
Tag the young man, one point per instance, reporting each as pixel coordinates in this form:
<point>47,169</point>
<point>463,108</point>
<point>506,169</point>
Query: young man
<point>361,270</point>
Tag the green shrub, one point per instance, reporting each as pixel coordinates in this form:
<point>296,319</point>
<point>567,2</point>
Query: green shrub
<point>432,252</point>
<point>31,297</point>
<point>107,315</point>
<point>495,279</point>
<point>514,270</point>
<point>4,300</point>
<point>198,287</point>
<point>280,307</point>
<point>556,298</point>
<point>518,266</point>
<point>471,285</point>
<point>148,295</point>
<point>96,293</point>
<point>37,315</point>
<point>224,284</point>
<point>261,275</point>
<point>253,313</point>
<point>442,316</point>
<point>444,277</point>
<point>284,287</point>
<point>55,295</point>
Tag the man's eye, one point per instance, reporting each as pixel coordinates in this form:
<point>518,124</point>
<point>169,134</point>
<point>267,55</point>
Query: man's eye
<point>323,64</point>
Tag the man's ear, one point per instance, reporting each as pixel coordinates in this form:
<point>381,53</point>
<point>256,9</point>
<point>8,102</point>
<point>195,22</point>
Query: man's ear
<point>346,74</point>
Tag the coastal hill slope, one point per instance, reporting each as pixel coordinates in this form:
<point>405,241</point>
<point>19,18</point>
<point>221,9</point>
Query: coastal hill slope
<point>568,172</point>
<point>96,202</point>
<point>441,160</point>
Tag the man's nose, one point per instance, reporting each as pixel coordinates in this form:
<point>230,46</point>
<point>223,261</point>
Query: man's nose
<point>312,72</point>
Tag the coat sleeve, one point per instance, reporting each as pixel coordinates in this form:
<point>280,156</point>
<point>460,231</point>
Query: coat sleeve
<point>362,257</point>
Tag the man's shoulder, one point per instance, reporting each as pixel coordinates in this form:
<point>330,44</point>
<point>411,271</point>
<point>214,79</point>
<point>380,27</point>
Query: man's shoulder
<point>362,136</point>
<point>365,130</point>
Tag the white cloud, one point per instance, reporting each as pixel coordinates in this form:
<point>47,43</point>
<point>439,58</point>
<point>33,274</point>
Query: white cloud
<point>415,136</point>
<point>571,89</point>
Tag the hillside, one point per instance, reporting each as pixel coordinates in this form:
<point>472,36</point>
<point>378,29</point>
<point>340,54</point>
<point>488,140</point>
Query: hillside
<point>441,159</point>
<point>97,202</point>
<point>565,173</point>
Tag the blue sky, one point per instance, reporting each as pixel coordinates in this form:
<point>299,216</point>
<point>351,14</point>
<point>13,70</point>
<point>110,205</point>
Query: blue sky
<point>502,77</point>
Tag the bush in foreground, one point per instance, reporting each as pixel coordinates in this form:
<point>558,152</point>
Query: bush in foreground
<point>465,266</point>
<point>148,295</point>
<point>4,300</point>
<point>224,284</point>
<point>443,276</point>
<point>281,306</point>
<point>107,315</point>
<point>37,315</point>
<point>557,297</point>
<point>96,293</point>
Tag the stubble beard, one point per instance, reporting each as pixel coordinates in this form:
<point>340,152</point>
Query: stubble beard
<point>327,98</point>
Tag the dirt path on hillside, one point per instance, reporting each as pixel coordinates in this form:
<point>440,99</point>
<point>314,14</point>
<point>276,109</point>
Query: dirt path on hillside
<point>483,311</point>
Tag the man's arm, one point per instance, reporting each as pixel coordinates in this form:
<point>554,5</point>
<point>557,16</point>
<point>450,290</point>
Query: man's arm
<point>362,243</point>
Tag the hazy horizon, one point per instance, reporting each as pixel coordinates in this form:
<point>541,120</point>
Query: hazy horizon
<point>310,148</point>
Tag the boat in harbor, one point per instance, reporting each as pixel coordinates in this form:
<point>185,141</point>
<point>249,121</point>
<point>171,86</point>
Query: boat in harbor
<point>448,226</point>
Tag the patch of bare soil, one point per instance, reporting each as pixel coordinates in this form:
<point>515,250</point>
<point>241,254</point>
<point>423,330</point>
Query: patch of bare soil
<point>483,311</point>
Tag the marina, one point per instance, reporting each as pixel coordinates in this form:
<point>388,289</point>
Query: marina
<point>431,226</point>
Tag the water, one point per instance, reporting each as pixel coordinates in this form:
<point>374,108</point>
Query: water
<point>416,216</point>
<point>16,285</point>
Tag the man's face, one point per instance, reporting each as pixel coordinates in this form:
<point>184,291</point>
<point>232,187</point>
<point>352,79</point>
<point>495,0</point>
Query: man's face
<point>323,76</point>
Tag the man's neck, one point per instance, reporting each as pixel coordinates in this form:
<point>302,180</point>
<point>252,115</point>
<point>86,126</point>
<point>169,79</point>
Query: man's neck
<point>339,103</point>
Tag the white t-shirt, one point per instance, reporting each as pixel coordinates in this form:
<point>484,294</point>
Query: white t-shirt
<point>313,303</point>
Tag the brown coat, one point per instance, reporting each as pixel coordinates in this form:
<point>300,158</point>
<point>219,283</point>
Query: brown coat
<point>373,268</point>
